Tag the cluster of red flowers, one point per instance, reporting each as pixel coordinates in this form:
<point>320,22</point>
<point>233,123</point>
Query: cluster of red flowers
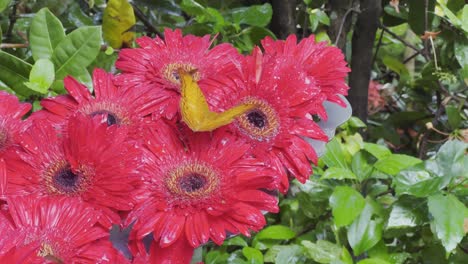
<point>123,156</point>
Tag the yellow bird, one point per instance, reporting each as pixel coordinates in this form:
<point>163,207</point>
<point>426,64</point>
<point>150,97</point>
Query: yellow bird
<point>195,111</point>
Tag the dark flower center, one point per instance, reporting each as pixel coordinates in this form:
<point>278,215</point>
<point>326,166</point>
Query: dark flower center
<point>257,118</point>
<point>66,179</point>
<point>192,182</point>
<point>260,123</point>
<point>111,119</point>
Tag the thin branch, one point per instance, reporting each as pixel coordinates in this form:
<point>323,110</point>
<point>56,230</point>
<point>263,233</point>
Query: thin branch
<point>13,45</point>
<point>141,16</point>
<point>12,18</point>
<point>343,21</point>
<point>411,57</point>
<point>378,47</point>
<point>383,27</point>
<point>435,121</point>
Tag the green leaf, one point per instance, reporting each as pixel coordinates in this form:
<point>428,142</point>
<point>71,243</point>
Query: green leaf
<point>378,151</point>
<point>418,182</point>
<point>256,15</point>
<point>461,51</point>
<point>41,76</point>
<point>235,241</point>
<point>192,8</point>
<point>117,20</point>
<point>338,173</point>
<point>276,232</point>
<point>290,254</point>
<point>77,51</point>
<point>322,251</point>
<point>373,261</point>
<point>365,231</point>
<point>334,156</point>
<point>14,72</point>
<point>451,159</point>
<point>254,256</point>
<point>347,204</point>
<point>3,5</point>
<point>453,115</point>
<point>405,213</point>
<point>356,122</point>
<point>448,217</point>
<point>398,67</point>
<point>45,34</point>
<point>360,166</point>
<point>214,257</point>
<point>395,163</point>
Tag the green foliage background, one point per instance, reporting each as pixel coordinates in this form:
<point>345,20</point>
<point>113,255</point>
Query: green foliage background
<point>369,201</point>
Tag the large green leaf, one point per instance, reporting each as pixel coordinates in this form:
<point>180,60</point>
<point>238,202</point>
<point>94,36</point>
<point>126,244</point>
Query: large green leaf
<point>418,182</point>
<point>451,159</point>
<point>276,232</point>
<point>347,204</point>
<point>253,255</point>
<point>377,151</point>
<point>448,218</point>
<point>406,213</point>
<point>395,163</point>
<point>256,15</point>
<point>14,72</point>
<point>334,156</point>
<point>360,166</point>
<point>322,251</point>
<point>45,34</point>
<point>338,174</point>
<point>366,230</point>
<point>77,51</point>
<point>290,254</point>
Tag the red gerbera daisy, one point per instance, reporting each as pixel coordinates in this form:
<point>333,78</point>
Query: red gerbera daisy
<point>157,62</point>
<point>11,112</point>
<point>51,230</point>
<point>199,190</point>
<point>92,161</point>
<point>284,97</point>
<point>124,107</point>
<point>326,64</point>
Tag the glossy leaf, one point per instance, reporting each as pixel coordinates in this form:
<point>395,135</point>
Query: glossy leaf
<point>451,159</point>
<point>334,156</point>
<point>378,151</point>
<point>45,34</point>
<point>365,231</point>
<point>322,251</point>
<point>448,218</point>
<point>42,76</point>
<point>195,111</point>
<point>285,254</point>
<point>276,232</point>
<point>359,165</point>
<point>14,72</point>
<point>256,15</point>
<point>417,182</point>
<point>405,213</point>
<point>117,22</point>
<point>76,51</point>
<point>395,163</point>
<point>347,204</point>
<point>373,261</point>
<point>338,174</point>
<point>254,256</point>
